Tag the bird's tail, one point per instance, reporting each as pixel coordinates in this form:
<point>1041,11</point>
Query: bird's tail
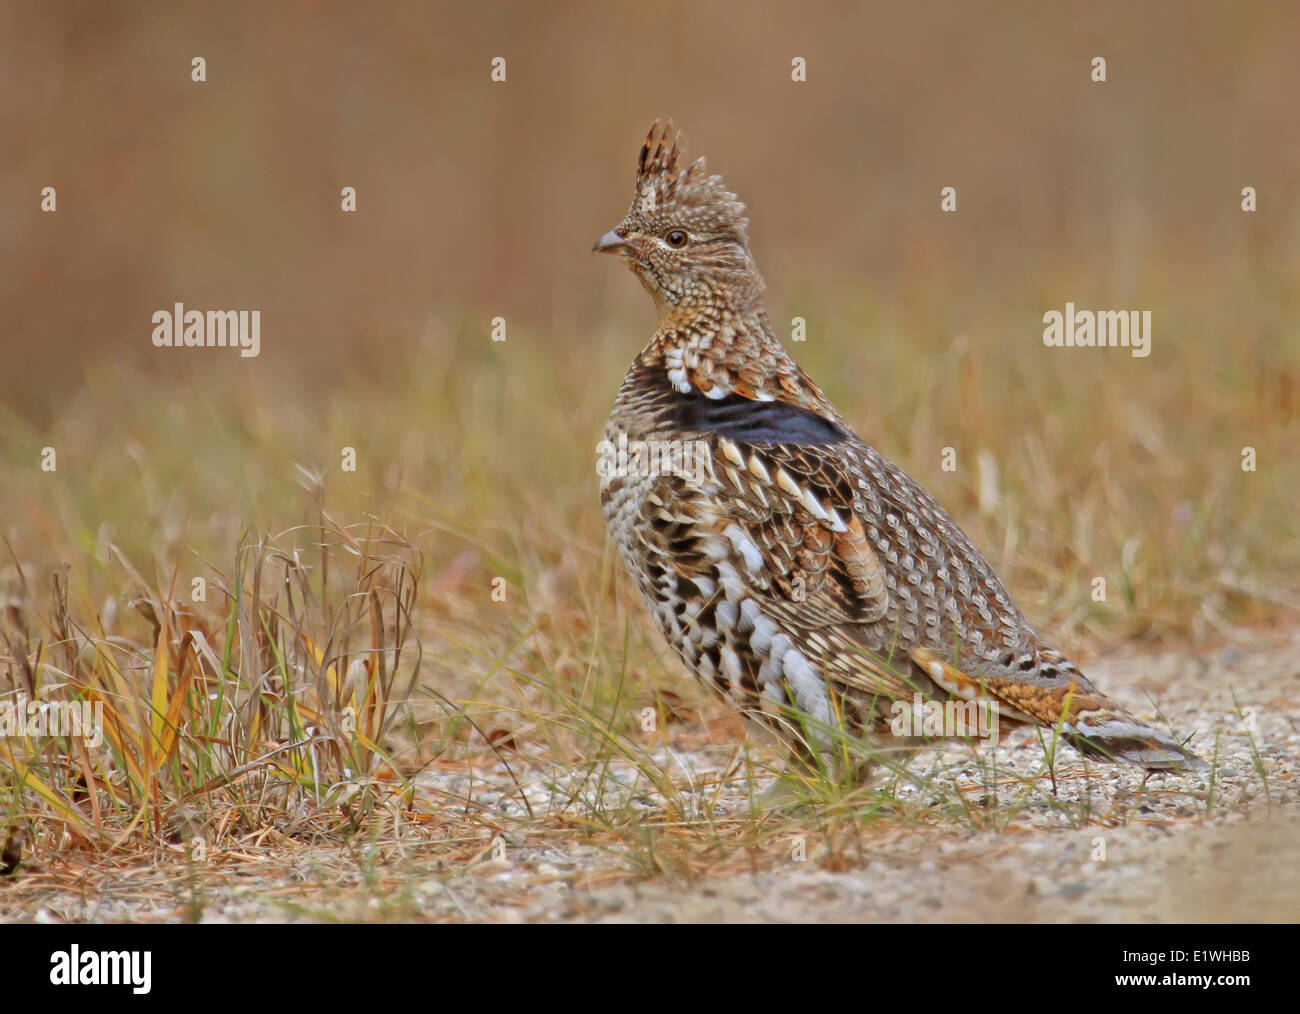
<point>1112,734</point>
<point>1090,721</point>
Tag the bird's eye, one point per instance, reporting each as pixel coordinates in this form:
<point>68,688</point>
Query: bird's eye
<point>676,238</point>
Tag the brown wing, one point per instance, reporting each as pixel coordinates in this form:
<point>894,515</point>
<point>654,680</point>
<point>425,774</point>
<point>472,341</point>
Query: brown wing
<point>786,524</point>
<point>791,505</point>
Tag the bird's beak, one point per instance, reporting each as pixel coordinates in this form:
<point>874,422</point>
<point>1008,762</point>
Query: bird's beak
<point>611,242</point>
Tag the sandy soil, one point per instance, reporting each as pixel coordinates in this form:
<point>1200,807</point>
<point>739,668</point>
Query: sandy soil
<point>1106,847</point>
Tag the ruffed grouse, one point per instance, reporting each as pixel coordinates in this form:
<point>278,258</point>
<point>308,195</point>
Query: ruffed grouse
<point>795,568</point>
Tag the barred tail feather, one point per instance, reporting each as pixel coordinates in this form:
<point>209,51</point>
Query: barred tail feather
<point>1118,737</point>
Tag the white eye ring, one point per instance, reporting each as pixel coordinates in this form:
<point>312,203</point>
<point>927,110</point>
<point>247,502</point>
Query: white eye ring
<point>671,234</point>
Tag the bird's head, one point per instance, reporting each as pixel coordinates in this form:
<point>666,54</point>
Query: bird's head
<point>685,235</point>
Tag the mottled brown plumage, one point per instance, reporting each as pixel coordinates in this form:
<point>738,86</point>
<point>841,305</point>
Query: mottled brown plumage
<point>786,561</point>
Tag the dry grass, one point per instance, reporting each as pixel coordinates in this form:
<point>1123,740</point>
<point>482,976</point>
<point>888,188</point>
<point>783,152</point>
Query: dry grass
<point>298,716</point>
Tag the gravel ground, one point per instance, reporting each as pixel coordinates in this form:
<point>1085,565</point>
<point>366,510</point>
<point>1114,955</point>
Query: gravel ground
<point>1105,847</point>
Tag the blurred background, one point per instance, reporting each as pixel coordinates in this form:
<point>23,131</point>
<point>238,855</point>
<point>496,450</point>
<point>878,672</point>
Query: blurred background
<point>484,198</point>
<point>479,199</point>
